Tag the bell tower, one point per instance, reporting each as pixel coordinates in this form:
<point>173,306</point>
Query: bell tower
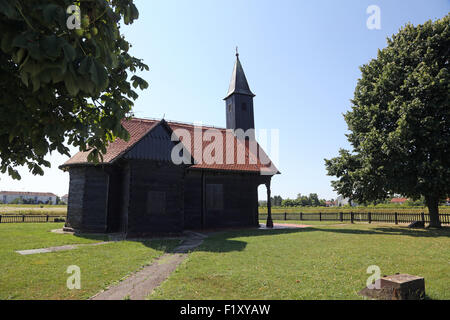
<point>239,100</point>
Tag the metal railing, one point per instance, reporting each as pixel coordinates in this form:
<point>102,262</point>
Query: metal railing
<point>30,218</point>
<point>386,217</point>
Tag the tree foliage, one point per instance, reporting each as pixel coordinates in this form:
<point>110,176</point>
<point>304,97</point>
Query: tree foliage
<point>400,121</point>
<point>60,85</point>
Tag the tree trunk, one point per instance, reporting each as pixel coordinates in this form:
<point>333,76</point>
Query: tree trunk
<point>433,210</point>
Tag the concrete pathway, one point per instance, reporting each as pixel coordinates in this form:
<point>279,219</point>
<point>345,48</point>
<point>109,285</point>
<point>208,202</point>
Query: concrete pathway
<point>60,248</point>
<point>139,285</point>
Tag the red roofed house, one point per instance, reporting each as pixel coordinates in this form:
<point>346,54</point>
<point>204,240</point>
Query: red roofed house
<point>171,176</point>
<point>399,200</point>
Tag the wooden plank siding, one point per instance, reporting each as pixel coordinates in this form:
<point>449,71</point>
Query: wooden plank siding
<point>158,177</point>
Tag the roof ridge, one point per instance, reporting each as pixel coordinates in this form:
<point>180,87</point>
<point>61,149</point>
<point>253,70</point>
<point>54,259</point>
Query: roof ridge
<point>176,122</point>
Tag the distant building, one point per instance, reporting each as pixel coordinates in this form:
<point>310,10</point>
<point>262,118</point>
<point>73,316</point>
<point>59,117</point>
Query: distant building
<point>30,197</point>
<point>399,200</point>
<point>330,203</point>
<point>65,198</point>
<point>341,201</point>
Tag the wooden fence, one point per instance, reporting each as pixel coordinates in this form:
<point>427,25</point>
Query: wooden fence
<point>30,218</point>
<point>386,217</point>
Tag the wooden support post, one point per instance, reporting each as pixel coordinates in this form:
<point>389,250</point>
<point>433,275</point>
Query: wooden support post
<point>47,218</point>
<point>285,216</point>
<point>23,218</point>
<point>351,217</point>
<point>341,215</point>
<point>0,218</point>
<point>370,217</point>
<point>320,216</point>
<point>301,216</point>
<point>396,218</point>
<point>269,223</point>
<point>423,217</point>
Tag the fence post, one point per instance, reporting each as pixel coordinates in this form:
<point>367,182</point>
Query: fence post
<point>396,218</point>
<point>370,217</point>
<point>23,218</point>
<point>423,217</point>
<point>351,216</point>
<point>0,218</point>
<point>47,218</point>
<point>341,216</point>
<point>285,216</point>
<point>320,216</point>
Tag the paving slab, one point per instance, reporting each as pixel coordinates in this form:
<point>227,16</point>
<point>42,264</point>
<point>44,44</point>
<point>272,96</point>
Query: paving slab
<point>60,248</point>
<point>139,285</point>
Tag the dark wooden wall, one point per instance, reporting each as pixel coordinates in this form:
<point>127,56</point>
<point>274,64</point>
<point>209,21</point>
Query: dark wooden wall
<point>146,176</point>
<point>193,200</point>
<point>115,197</point>
<point>88,199</point>
<point>240,198</point>
<point>76,195</point>
<point>95,202</point>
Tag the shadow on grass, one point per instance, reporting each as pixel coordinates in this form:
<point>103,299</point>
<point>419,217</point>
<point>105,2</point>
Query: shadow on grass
<point>396,231</point>
<point>89,236</point>
<point>225,241</point>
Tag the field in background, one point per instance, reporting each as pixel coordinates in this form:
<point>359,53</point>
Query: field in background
<point>34,209</point>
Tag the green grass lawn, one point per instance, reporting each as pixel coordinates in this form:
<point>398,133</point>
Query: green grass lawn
<point>43,276</point>
<point>327,261</point>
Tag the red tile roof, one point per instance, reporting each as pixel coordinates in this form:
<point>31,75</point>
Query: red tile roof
<point>399,200</point>
<point>138,129</point>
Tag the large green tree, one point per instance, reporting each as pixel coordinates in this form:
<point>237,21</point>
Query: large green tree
<point>400,122</point>
<point>65,77</point>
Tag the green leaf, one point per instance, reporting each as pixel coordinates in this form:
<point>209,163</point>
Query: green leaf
<point>71,84</point>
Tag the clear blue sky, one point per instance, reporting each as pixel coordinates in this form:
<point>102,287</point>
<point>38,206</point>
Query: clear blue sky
<point>301,59</point>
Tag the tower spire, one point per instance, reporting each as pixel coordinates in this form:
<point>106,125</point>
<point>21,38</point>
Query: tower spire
<point>238,83</point>
<point>239,100</point>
